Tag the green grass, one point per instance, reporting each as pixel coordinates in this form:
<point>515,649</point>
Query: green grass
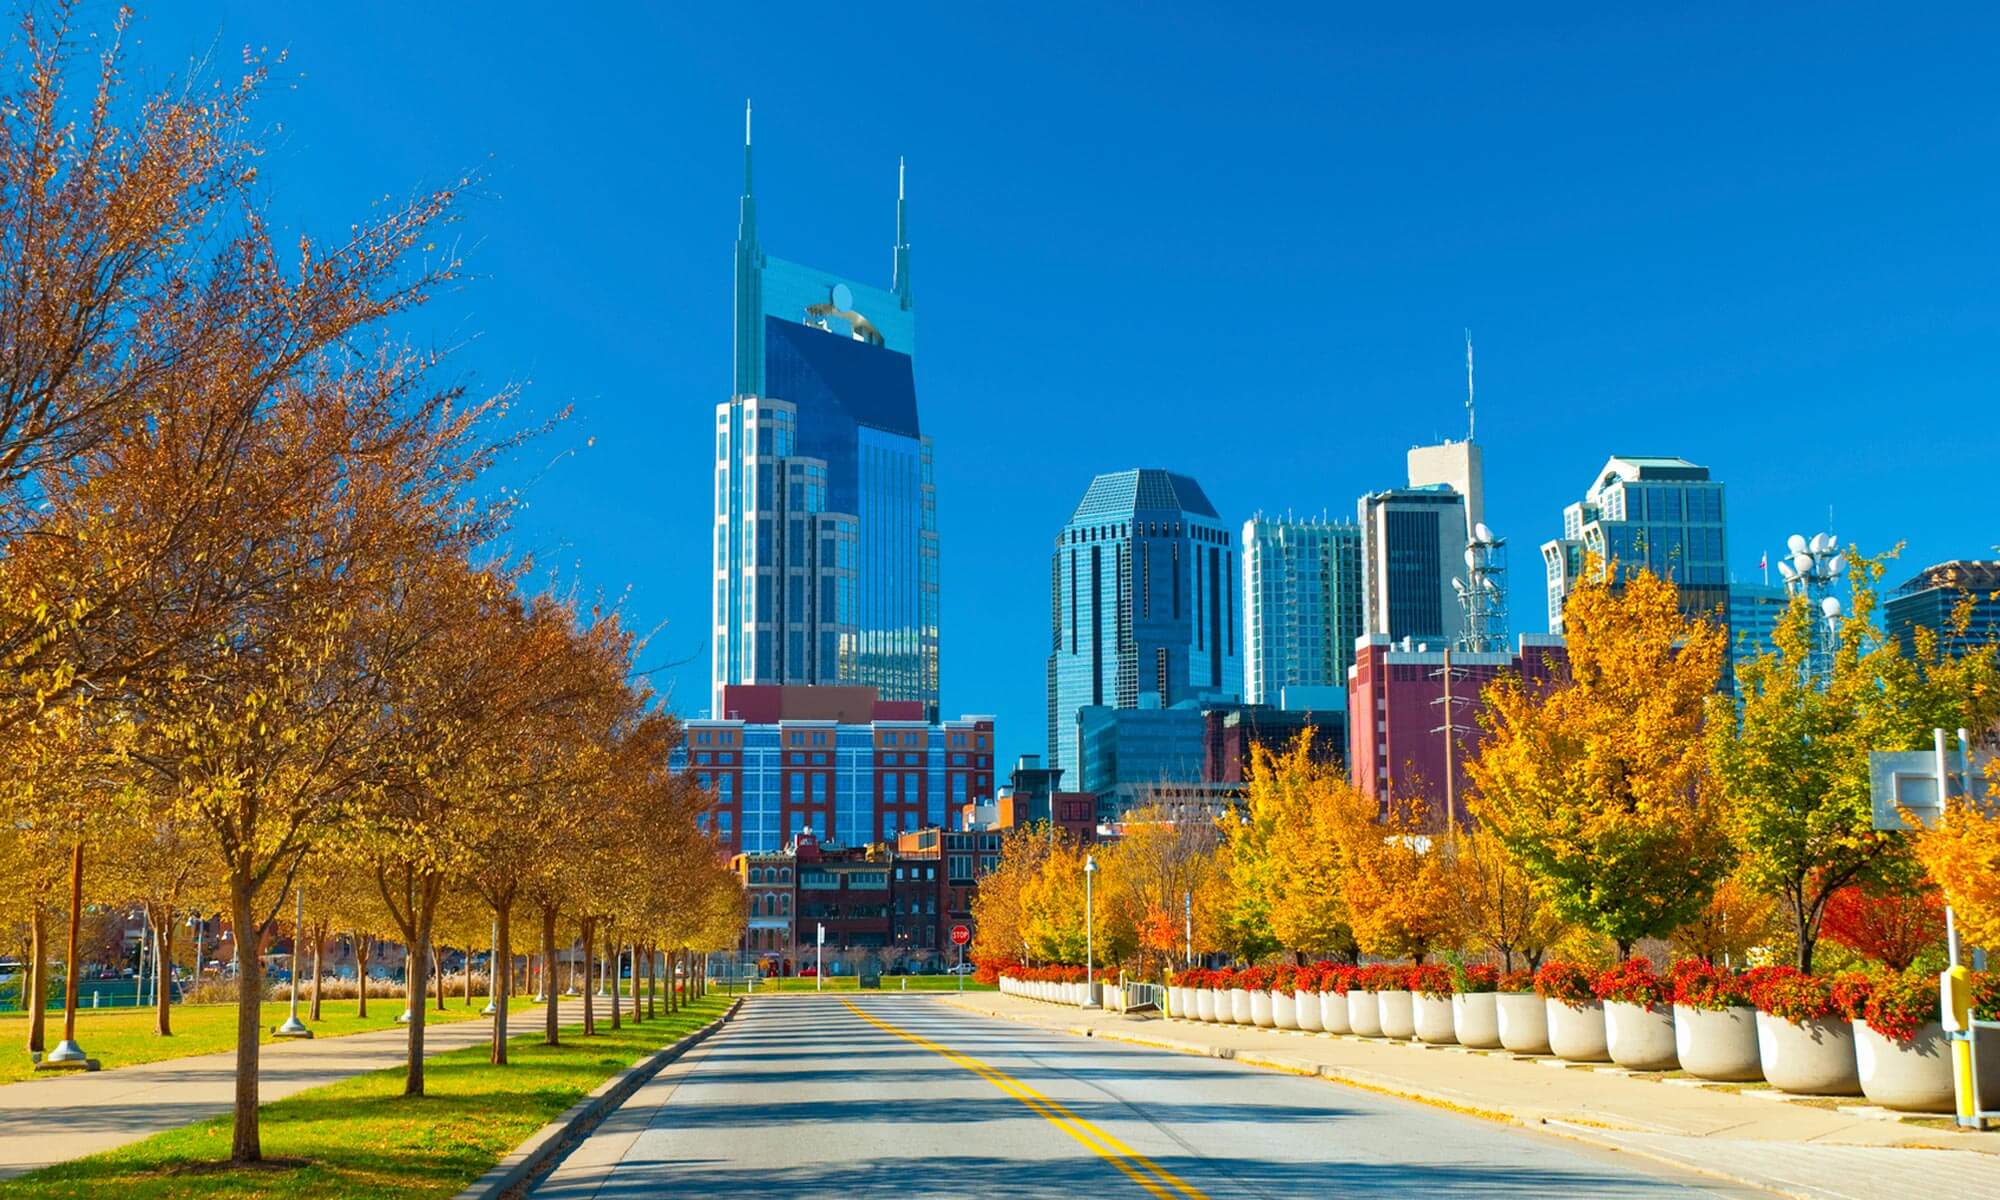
<point>362,1137</point>
<point>124,1037</point>
<point>848,983</point>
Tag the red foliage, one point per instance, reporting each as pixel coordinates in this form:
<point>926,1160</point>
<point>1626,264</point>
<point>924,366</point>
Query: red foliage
<point>1891,928</point>
<point>1631,982</point>
<point>1698,983</point>
<point>1336,978</point>
<point>1898,1005</point>
<point>1567,982</point>
<point>1516,981</point>
<point>1285,978</point>
<point>1793,995</point>
<point>1430,980</point>
<point>1253,979</point>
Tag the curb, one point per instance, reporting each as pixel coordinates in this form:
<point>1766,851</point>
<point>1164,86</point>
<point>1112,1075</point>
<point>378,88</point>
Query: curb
<point>552,1141</point>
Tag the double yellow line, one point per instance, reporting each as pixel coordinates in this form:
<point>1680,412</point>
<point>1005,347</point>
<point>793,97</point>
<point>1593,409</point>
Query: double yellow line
<point>1143,1171</point>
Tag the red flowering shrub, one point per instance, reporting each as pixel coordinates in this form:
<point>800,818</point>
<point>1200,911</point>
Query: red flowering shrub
<point>1336,978</point>
<point>1793,995</point>
<point>1898,1005</point>
<point>1253,979</point>
<point>1850,991</point>
<point>1891,927</point>
<point>1698,983</point>
<point>1222,978</point>
<point>1516,981</point>
<point>1986,995</point>
<point>1631,982</point>
<point>1480,978</point>
<point>1285,978</point>
<point>1566,982</point>
<point>1429,980</point>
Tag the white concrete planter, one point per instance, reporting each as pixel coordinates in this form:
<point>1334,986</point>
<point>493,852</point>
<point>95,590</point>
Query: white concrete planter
<point>1815,1058</point>
<point>1397,1019</point>
<point>1432,1017</point>
<point>1260,1008</point>
<point>1306,1006</point>
<point>1640,1039</point>
<point>1363,1015</point>
<point>1219,1005</point>
<point>1717,1044</point>
<point>1912,1076</point>
<point>1333,1012</point>
<point>1240,1007</point>
<point>1577,1034</point>
<point>1523,1020</point>
<point>1284,1010</point>
<point>1475,1019</point>
<point>1204,1004</point>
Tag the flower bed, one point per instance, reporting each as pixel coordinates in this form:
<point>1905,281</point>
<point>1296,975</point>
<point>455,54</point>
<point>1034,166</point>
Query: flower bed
<point>1638,1024</point>
<point>1899,1044</point>
<point>1431,987</point>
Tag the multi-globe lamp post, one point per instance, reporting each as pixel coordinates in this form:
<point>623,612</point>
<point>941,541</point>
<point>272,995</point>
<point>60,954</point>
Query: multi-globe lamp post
<point>1815,565</point>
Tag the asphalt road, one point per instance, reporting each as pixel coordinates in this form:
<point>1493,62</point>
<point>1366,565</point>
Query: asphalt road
<point>908,1097</point>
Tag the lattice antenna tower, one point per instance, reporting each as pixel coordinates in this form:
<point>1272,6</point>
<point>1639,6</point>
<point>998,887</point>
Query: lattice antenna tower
<point>1482,594</point>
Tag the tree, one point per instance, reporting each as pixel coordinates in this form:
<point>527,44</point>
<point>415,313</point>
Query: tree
<point>1399,881</point>
<point>999,914</point>
<point>1888,926</point>
<point>1165,858</point>
<point>1498,902</point>
<point>1736,920</point>
<point>1961,852</point>
<point>1795,765</point>
<point>1600,787</point>
<point>1298,808</point>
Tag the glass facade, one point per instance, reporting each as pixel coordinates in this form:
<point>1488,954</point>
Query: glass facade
<point>1412,547</point>
<point>826,546</point>
<point>1654,513</point>
<point>1302,605</point>
<point>1142,603</point>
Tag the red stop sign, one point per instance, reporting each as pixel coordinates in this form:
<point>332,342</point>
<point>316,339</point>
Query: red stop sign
<point>960,935</point>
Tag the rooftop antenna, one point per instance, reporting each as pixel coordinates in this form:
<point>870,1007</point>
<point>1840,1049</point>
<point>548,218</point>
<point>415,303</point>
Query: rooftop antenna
<point>1469,414</point>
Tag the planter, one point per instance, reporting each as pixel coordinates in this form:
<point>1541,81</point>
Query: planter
<point>1397,1019</point>
<point>1204,1004</point>
<point>1432,1018</point>
<point>1523,1020</point>
<point>1284,1010</point>
<point>1816,1057</point>
<point>1717,1045</point>
<point>1475,1019</point>
<point>1306,1006</point>
<point>1333,1012</point>
<point>1577,1034</point>
<point>1363,1017</point>
<point>1912,1076</point>
<point>1640,1039</point>
<point>1240,1009</point>
<point>1260,1008</point>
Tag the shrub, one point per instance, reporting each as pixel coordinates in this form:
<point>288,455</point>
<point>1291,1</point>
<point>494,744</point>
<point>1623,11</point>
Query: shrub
<point>1898,1005</point>
<point>1430,981</point>
<point>1698,983</point>
<point>1793,995</point>
<point>1285,978</point>
<point>1567,982</point>
<point>1380,977</point>
<point>1253,979</point>
<point>1631,982</point>
<point>1986,995</point>
<point>1222,978</point>
<point>1516,981</point>
<point>1850,991</point>
<point>1336,978</point>
<point>1482,977</point>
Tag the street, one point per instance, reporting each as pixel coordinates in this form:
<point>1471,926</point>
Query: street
<point>907,1096</point>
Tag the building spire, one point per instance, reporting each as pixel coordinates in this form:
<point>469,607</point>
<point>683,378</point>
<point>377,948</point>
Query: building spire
<point>1470,415</point>
<point>746,147</point>
<point>900,279</point>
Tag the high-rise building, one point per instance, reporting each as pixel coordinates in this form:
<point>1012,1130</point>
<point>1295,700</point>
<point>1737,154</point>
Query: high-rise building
<point>1142,603</point>
<point>1412,547</point>
<point>1754,612</point>
<point>826,548</point>
<point>1643,511</point>
<point>1931,599</point>
<point>1302,606</point>
<point>1457,465</point>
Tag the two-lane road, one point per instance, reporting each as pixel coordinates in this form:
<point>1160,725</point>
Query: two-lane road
<point>907,1096</point>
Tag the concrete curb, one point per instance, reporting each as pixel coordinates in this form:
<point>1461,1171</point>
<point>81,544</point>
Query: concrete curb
<point>555,1139</point>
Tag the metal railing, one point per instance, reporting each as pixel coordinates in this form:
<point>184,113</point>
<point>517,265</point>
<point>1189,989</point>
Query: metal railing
<point>1137,997</point>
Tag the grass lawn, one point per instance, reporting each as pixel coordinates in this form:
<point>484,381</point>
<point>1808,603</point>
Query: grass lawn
<point>848,983</point>
<point>124,1037</point>
<point>362,1137</point>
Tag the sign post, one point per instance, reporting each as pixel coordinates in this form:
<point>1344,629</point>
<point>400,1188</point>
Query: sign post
<point>960,935</point>
<point>819,955</point>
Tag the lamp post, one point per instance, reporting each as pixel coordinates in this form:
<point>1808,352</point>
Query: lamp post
<point>1089,941</point>
<point>293,1027</point>
<point>200,924</point>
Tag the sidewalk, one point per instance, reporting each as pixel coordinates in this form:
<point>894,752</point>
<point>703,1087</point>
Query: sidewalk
<point>46,1121</point>
<point>1807,1149</point>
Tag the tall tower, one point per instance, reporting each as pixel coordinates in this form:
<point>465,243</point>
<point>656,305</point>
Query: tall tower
<point>1142,603</point>
<point>1302,610</point>
<point>826,548</point>
<point>1653,511</point>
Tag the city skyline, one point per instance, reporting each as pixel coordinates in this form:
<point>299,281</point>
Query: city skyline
<point>1775,278</point>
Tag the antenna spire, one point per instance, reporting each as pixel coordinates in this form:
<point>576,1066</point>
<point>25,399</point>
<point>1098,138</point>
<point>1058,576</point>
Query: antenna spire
<point>746,147</point>
<point>1470,415</point>
<point>900,273</point>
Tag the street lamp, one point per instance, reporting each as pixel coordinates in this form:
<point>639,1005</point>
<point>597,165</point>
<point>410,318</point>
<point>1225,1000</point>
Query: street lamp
<point>1089,944</point>
<point>293,1027</point>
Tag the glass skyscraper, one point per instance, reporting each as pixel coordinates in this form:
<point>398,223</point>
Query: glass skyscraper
<point>1663,514</point>
<point>1302,606</point>
<point>826,548</point>
<point>1142,603</point>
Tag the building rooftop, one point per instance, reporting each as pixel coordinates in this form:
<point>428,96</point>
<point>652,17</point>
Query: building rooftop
<point>1146,489</point>
<point>1963,575</point>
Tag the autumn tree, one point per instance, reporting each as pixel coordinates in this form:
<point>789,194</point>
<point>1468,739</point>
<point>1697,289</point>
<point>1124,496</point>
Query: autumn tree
<point>1164,860</point>
<point>999,915</point>
<point>1398,877</point>
<point>1961,853</point>
<point>1736,920</point>
<point>1600,786</point>
<point>1499,906</point>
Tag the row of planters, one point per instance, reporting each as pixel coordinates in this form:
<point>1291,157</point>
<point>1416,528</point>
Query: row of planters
<point>1056,985</point>
<point>1877,1036</point>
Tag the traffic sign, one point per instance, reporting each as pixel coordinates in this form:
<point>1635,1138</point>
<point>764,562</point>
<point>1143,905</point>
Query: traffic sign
<point>960,935</point>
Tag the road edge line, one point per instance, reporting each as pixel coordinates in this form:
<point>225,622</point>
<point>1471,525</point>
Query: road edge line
<point>548,1145</point>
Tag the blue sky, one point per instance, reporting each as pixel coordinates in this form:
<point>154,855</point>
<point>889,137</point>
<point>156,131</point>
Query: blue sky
<point>1243,247</point>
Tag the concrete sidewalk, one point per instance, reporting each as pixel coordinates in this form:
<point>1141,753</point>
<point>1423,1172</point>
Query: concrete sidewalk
<point>1797,1149</point>
<point>47,1121</point>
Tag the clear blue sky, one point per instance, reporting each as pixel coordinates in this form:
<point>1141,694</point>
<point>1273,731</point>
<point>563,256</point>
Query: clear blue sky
<point>1239,247</point>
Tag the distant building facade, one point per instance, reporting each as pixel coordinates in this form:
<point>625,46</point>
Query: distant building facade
<point>1412,547</point>
<point>1142,603</point>
<point>1661,513</point>
<point>1302,605</point>
<point>1231,736</point>
<point>1754,612</point>
<point>1931,599</point>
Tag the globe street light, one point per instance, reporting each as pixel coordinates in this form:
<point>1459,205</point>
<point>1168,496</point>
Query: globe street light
<point>293,1027</point>
<point>1089,945</point>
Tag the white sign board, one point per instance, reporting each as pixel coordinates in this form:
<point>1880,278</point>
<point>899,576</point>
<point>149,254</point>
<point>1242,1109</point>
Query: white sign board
<point>1900,780</point>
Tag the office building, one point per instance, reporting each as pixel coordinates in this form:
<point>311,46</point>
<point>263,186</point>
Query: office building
<point>1458,466</point>
<point>1302,607</point>
<point>835,762</point>
<point>1142,603</point>
<point>1232,735</point>
<point>826,549</point>
<point>1931,599</point>
<point>1127,757</point>
<point>1412,547</point>
<point>1754,612</point>
<point>1645,512</point>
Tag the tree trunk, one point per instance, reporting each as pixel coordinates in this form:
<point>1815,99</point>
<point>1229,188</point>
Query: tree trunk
<point>611,957</point>
<point>37,985</point>
<point>244,1144</point>
<point>550,996</point>
<point>163,986</point>
<point>420,955</point>
<point>437,965</point>
<point>503,981</point>
<point>589,997</point>
<point>70,972</point>
<point>652,982</point>
<point>1803,930</point>
<point>361,948</point>
<point>634,948</point>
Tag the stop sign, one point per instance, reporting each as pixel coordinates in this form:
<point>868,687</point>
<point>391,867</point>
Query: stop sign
<point>960,935</point>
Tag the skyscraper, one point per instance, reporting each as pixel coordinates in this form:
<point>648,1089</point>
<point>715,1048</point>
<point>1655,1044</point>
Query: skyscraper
<point>1754,612</point>
<point>826,549</point>
<point>1302,607</point>
<point>1142,603</point>
<point>1931,599</point>
<point>1663,514</point>
<point>1412,547</point>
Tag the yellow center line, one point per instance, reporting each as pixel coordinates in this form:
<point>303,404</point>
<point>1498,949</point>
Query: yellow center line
<point>1117,1153</point>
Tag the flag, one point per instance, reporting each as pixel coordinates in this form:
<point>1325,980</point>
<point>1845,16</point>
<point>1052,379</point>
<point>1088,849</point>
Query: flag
<point>1764,561</point>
